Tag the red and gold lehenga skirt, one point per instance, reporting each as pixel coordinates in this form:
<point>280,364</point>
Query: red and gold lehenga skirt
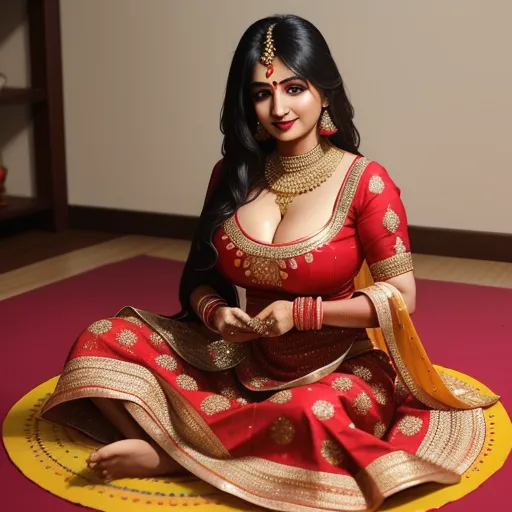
<point>303,422</point>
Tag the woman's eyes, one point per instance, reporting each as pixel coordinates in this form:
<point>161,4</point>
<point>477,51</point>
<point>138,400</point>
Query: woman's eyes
<point>291,89</point>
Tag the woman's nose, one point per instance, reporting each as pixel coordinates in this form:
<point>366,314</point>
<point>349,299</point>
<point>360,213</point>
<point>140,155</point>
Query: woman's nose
<point>278,105</point>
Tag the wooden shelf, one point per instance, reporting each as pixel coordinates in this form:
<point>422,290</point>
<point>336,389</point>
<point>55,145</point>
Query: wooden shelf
<point>22,206</point>
<point>20,95</point>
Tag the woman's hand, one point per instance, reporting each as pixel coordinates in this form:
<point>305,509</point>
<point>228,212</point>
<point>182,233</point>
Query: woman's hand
<point>278,317</point>
<point>231,324</point>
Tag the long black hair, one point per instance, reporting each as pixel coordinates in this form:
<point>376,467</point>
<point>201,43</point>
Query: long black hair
<point>303,49</point>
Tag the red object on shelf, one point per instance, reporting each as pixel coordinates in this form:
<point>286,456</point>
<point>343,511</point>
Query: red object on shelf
<point>3,177</point>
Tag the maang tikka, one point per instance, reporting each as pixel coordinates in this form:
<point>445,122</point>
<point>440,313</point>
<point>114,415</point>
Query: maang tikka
<point>269,52</point>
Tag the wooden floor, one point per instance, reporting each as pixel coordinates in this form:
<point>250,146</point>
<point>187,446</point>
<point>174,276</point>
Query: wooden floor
<point>67,263</point>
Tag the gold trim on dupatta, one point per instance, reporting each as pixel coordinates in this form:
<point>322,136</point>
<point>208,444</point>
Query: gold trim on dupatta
<point>410,358</point>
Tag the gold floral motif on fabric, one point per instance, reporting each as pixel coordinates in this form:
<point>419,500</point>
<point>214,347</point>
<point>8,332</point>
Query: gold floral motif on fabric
<point>100,327</point>
<point>264,271</point>
<point>391,220</point>
<point>156,339</point>
<point>332,452</point>
<point>229,392</point>
<point>391,267</point>
<point>134,320</point>
<point>332,228</point>
<point>376,184</point>
<point>281,397</point>
<point>362,403</point>
<point>242,401</point>
<point>380,393</point>
<point>190,343</point>
<point>362,372</point>
<point>215,403</point>
<point>399,246</point>
<point>127,338</point>
<point>323,410</point>
<point>410,425</point>
<point>379,430</point>
<point>341,384</point>
<point>258,382</point>
<point>282,431</point>
<point>166,361</point>
<point>187,382</point>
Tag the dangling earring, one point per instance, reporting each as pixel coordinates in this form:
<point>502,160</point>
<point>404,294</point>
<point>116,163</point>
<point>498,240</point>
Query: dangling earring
<point>261,135</point>
<point>326,126</point>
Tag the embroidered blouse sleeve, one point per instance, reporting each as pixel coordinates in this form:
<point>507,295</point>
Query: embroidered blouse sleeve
<point>382,224</point>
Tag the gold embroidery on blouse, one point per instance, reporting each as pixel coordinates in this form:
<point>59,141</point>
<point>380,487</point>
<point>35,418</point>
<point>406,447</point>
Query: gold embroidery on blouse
<point>264,271</point>
<point>379,430</point>
<point>324,235</point>
<point>281,397</point>
<point>362,403</point>
<point>376,184</point>
<point>362,372</point>
<point>126,338</point>
<point>341,384</point>
<point>100,327</point>
<point>323,409</point>
<point>187,382</point>
<point>215,403</point>
<point>282,431</point>
<point>308,258</point>
<point>242,401</point>
<point>391,220</point>
<point>167,362</point>
<point>391,267</point>
<point>332,452</point>
<point>410,425</point>
<point>399,246</point>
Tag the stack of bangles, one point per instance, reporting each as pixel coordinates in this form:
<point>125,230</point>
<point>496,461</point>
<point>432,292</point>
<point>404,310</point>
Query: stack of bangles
<point>308,313</point>
<point>206,308</point>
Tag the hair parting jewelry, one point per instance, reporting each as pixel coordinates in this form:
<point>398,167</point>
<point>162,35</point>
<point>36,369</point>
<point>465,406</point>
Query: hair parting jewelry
<point>269,51</point>
<point>308,313</point>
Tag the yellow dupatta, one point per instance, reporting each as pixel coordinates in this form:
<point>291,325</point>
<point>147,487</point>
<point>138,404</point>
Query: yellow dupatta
<point>397,336</point>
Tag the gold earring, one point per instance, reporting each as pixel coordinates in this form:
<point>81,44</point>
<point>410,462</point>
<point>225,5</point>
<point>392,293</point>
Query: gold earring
<point>261,135</point>
<point>326,126</point>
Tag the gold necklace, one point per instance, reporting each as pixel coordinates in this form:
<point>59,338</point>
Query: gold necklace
<point>291,176</point>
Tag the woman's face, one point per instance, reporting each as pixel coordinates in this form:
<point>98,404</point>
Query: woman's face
<point>286,106</point>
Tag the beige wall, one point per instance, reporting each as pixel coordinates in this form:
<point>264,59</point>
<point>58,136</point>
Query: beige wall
<point>430,81</point>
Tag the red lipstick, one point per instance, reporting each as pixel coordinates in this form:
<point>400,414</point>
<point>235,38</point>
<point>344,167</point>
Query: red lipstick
<point>284,125</point>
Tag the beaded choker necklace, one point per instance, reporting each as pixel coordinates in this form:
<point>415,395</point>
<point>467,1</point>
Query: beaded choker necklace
<point>290,176</point>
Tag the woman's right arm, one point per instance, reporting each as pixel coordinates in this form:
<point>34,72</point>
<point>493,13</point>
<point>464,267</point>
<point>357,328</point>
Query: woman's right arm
<point>230,323</point>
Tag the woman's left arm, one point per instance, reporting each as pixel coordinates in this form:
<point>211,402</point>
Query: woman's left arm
<point>383,234</point>
<point>359,311</point>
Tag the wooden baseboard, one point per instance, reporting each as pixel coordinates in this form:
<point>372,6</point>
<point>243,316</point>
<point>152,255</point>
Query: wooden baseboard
<point>424,240</point>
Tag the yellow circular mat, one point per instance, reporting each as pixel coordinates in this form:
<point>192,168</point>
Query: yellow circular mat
<point>54,458</point>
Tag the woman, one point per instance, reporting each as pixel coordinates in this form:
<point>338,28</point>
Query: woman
<point>297,402</point>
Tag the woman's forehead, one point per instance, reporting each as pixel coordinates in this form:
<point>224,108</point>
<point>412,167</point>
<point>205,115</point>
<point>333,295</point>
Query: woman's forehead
<point>281,72</point>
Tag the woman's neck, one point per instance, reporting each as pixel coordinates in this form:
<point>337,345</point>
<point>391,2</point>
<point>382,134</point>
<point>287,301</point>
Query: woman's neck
<point>298,146</point>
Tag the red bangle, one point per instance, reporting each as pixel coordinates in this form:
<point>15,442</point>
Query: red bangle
<point>308,313</point>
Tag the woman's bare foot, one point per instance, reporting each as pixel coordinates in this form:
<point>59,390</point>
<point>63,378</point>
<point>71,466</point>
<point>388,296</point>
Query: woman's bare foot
<point>132,458</point>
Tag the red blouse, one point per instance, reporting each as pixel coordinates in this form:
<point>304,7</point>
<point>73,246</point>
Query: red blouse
<point>368,222</point>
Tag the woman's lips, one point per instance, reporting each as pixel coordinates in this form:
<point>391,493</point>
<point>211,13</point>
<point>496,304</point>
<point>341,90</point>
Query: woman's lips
<point>285,125</point>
